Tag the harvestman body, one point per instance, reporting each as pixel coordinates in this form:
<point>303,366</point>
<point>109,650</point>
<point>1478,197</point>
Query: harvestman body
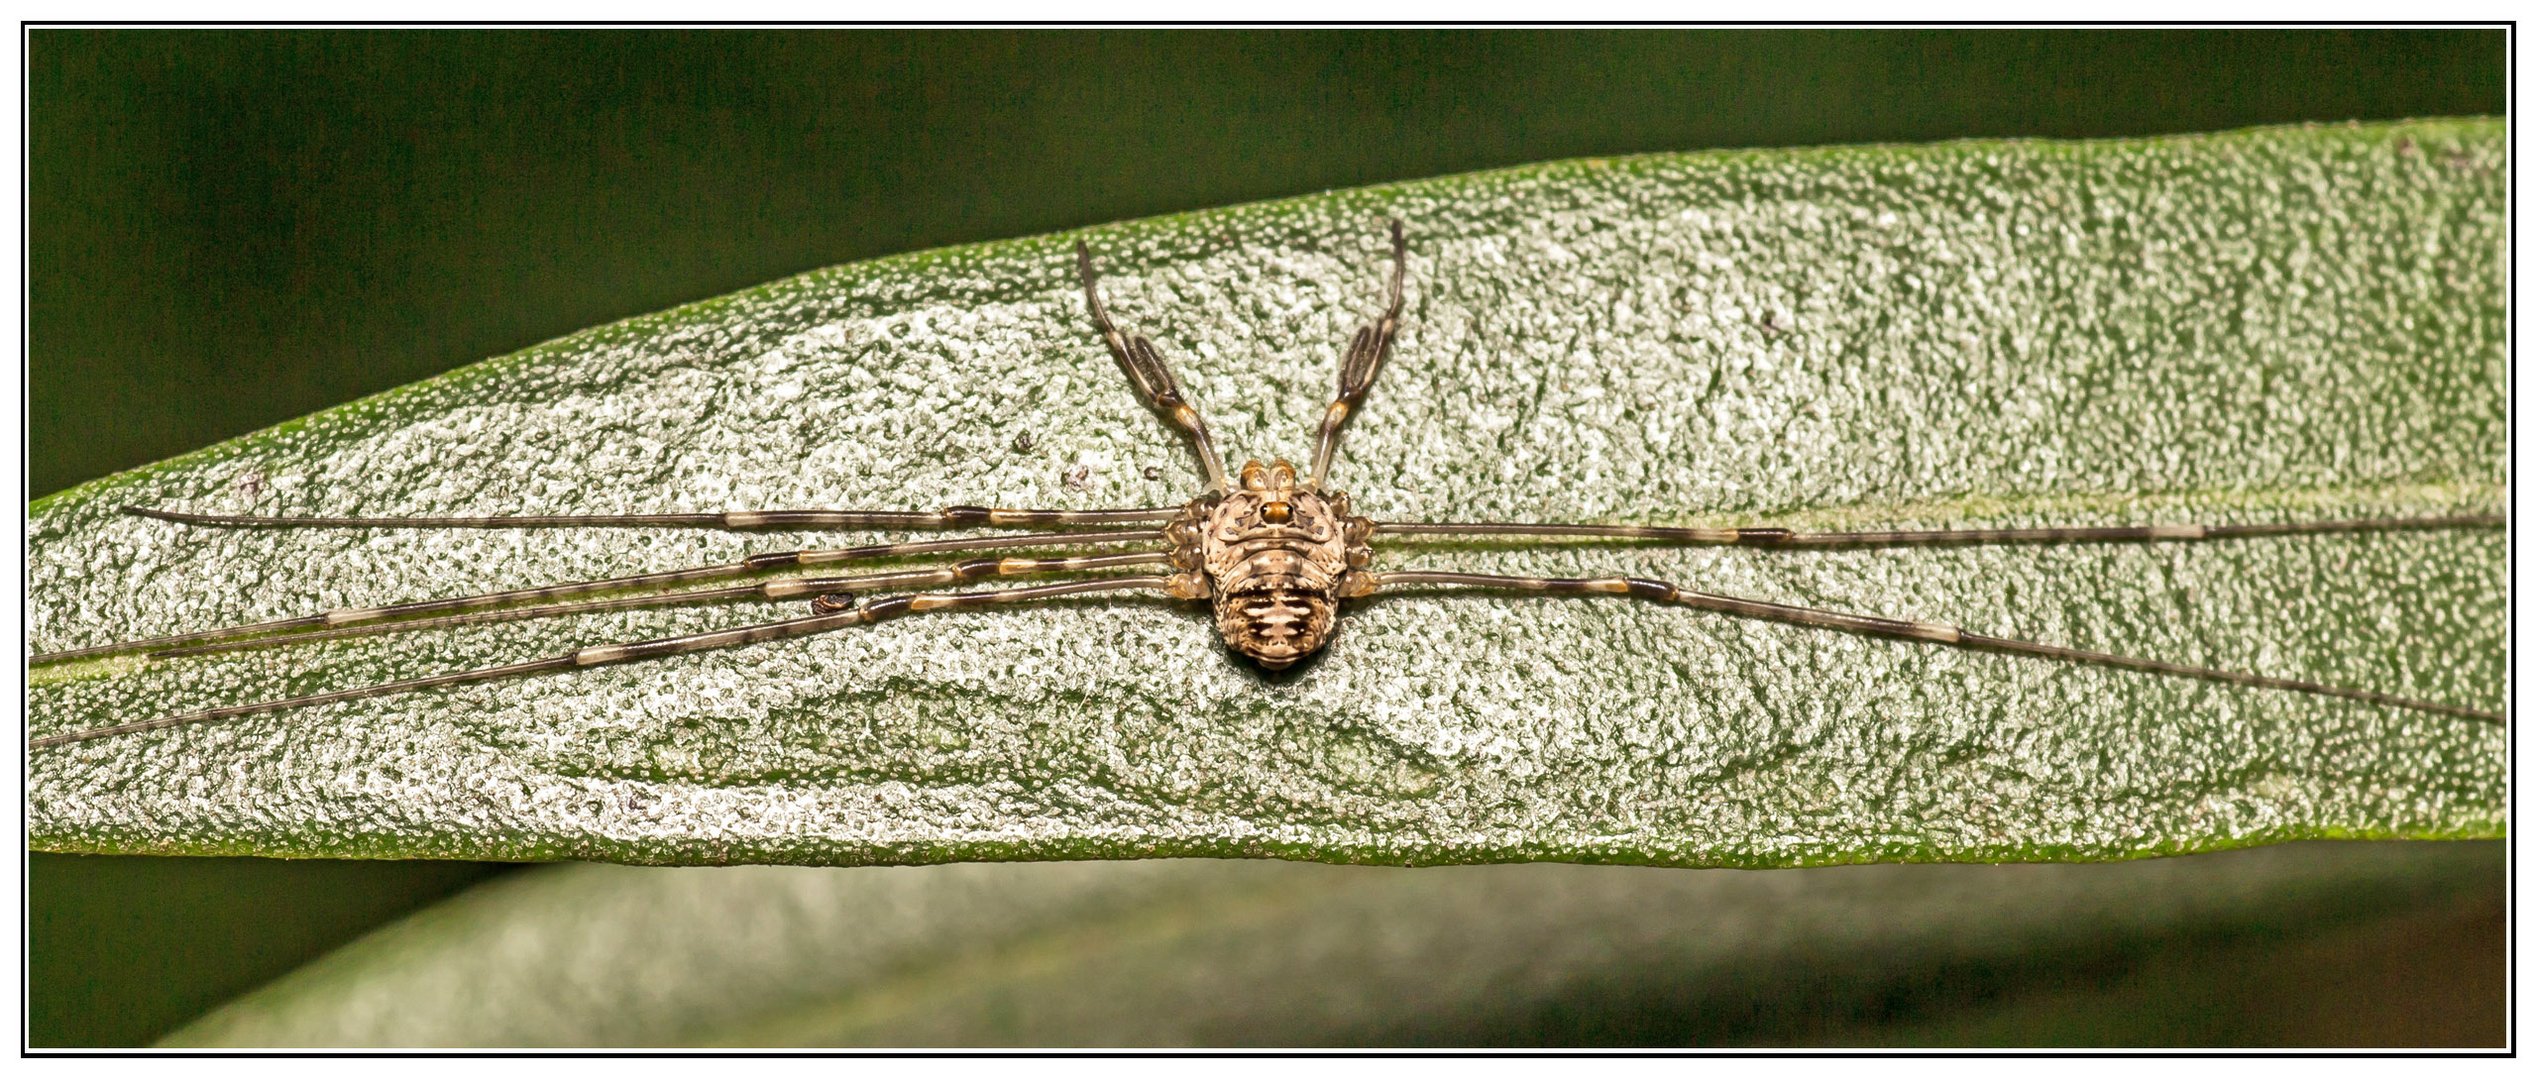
<point>1274,551</point>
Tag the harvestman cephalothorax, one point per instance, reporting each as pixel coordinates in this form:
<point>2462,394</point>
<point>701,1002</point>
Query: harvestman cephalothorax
<point>1272,549</point>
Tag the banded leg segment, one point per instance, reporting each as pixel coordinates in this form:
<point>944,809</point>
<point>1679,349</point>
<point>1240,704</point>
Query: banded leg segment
<point>1878,626</point>
<point>1789,538</point>
<point>773,560</point>
<point>949,517</point>
<point>1146,371</point>
<point>817,589</point>
<point>597,655</point>
<point>1365,355</point>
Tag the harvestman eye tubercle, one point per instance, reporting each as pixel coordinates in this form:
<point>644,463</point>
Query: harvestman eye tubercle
<point>1272,549</point>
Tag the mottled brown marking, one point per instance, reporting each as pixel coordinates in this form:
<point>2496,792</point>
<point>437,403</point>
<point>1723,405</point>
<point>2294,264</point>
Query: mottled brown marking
<point>1277,557</point>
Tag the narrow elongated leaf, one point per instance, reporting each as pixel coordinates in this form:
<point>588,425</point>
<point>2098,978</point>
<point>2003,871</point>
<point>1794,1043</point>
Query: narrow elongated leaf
<point>2263,326</point>
<point>1218,953</point>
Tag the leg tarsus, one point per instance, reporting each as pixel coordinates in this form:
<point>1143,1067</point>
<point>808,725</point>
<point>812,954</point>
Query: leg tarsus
<point>1787,538</point>
<point>396,614</point>
<point>597,655</point>
<point>949,517</point>
<point>1878,626</point>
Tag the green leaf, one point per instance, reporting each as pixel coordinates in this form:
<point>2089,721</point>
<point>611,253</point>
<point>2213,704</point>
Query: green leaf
<point>1221,953</point>
<point>2272,325</point>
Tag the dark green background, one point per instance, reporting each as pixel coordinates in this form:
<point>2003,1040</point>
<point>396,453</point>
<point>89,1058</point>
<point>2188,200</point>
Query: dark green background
<point>231,229</point>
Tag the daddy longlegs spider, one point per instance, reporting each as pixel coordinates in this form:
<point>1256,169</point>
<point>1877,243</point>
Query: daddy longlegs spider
<point>1271,548</point>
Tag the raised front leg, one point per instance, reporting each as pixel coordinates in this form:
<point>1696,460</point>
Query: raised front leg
<point>1144,367</point>
<point>1366,354</point>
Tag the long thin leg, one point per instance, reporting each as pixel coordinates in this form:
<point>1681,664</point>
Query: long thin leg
<point>826,594</point>
<point>596,655</point>
<point>1940,633</point>
<point>1787,538</point>
<point>1357,369</point>
<point>949,517</point>
<point>1144,367</point>
<point>773,560</point>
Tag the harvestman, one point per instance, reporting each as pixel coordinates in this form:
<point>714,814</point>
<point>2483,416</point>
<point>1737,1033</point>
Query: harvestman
<point>1274,551</point>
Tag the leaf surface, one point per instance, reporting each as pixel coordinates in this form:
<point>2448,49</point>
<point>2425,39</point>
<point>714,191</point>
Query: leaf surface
<point>2281,324</point>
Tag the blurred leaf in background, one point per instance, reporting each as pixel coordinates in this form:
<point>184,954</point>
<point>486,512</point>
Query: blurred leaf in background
<point>1254,953</point>
<point>230,229</point>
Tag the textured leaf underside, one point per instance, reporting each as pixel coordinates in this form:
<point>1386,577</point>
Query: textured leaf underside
<point>2272,325</point>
